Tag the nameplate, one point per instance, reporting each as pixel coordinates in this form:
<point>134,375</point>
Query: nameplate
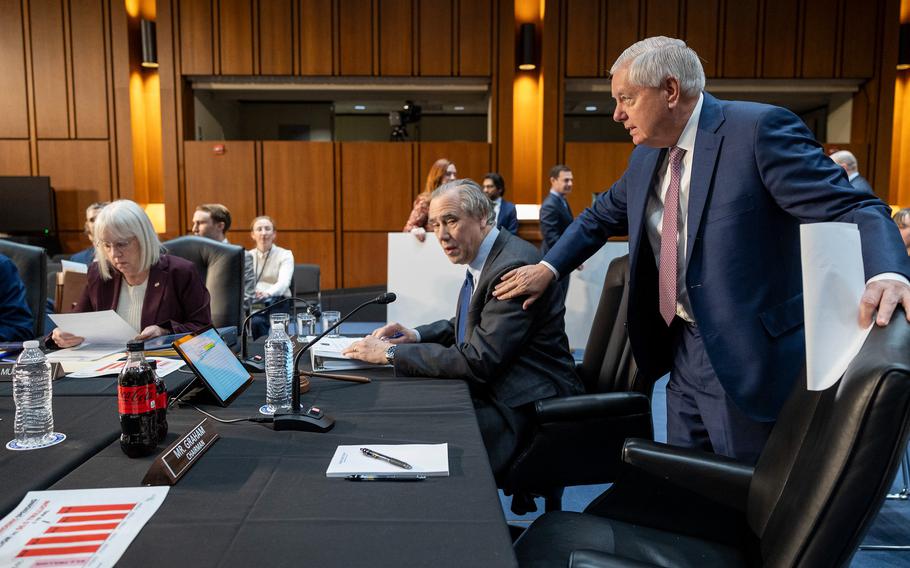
<point>183,454</point>
<point>6,371</point>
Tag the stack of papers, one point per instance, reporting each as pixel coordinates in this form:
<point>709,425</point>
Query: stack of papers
<point>165,367</point>
<point>326,355</point>
<point>424,459</point>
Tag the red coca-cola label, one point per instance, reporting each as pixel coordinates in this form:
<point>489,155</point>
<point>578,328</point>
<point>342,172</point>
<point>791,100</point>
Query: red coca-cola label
<point>161,400</point>
<point>137,400</point>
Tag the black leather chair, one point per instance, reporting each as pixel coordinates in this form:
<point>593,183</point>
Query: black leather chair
<point>221,268</point>
<point>32,265</point>
<point>578,439</point>
<point>815,490</point>
<point>305,282</point>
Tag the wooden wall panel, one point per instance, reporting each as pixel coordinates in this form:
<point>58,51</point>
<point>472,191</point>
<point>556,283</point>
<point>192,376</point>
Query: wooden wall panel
<point>701,32</point>
<point>780,39</point>
<point>229,179</point>
<point>13,107</point>
<point>475,33</point>
<point>435,33</point>
<point>472,159</point>
<point>316,37</point>
<point>196,44</point>
<point>49,68</point>
<point>595,167</point>
<point>311,247</point>
<point>740,39</point>
<point>662,18</point>
<point>858,40</point>
<point>276,44</point>
<point>297,184</point>
<point>80,173</point>
<point>365,259</point>
<point>396,35</point>
<point>376,185</point>
<point>819,37</point>
<point>89,79</point>
<point>355,19</point>
<point>583,38</point>
<point>236,35</point>
<point>14,158</point>
<point>622,29</point>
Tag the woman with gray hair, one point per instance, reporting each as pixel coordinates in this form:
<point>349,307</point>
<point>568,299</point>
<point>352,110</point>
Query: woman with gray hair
<point>154,292</point>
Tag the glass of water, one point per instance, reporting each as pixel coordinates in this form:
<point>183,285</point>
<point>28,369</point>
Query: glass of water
<point>330,318</point>
<point>306,325</point>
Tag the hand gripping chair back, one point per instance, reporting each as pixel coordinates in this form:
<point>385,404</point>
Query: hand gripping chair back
<point>31,262</point>
<point>221,268</point>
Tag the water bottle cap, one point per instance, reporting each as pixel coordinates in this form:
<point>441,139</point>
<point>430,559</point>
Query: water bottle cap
<point>30,344</point>
<point>133,346</point>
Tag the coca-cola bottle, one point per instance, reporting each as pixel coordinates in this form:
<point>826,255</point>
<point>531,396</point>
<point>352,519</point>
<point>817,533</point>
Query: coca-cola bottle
<point>160,401</point>
<point>137,402</point>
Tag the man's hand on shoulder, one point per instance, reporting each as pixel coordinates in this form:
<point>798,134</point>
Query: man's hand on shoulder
<point>530,280</point>
<point>884,296</point>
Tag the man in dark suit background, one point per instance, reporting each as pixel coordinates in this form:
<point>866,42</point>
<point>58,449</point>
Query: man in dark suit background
<point>712,200</point>
<point>847,160</point>
<point>510,357</point>
<point>555,213</point>
<point>87,256</point>
<point>16,323</point>
<point>503,211</point>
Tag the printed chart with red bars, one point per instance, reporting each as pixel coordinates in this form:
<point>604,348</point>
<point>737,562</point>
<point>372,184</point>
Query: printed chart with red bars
<point>86,527</point>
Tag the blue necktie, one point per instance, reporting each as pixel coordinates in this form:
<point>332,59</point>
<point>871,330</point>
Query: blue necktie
<point>464,304</point>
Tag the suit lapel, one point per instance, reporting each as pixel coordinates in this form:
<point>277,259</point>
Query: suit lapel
<point>154,292</point>
<point>707,148</point>
<point>638,197</point>
<point>479,298</point>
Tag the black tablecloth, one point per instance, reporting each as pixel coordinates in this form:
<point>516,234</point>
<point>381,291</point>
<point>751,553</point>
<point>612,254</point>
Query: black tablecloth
<point>90,424</point>
<point>260,497</point>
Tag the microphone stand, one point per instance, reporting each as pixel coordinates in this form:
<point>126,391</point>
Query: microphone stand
<point>259,366</point>
<point>313,419</point>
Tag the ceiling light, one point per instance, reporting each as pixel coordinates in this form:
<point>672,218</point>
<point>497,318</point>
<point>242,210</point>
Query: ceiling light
<point>591,108</point>
<point>459,108</point>
<point>360,107</point>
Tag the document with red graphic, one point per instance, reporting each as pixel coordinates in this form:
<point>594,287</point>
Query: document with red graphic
<point>83,527</point>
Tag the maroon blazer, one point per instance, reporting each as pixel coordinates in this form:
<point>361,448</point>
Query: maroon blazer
<point>175,298</point>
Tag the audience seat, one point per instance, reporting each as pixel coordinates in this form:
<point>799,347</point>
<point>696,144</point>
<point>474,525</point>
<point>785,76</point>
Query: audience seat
<point>221,268</point>
<point>578,439</point>
<point>809,500</point>
<point>305,282</point>
<point>32,265</point>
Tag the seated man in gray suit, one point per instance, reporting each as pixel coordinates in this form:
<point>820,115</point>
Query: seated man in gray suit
<point>509,357</point>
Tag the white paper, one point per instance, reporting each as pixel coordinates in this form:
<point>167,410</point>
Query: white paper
<point>70,266</point>
<point>165,367</point>
<point>424,459</point>
<point>833,283</point>
<point>107,519</point>
<point>326,355</point>
<point>84,353</point>
<point>106,328</point>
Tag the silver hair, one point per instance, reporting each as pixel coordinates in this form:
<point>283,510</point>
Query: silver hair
<point>121,220</point>
<point>474,202</point>
<point>846,158</point>
<point>652,60</point>
<point>902,218</point>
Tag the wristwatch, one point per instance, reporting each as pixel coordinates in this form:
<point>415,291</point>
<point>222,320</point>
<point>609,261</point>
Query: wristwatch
<point>390,354</point>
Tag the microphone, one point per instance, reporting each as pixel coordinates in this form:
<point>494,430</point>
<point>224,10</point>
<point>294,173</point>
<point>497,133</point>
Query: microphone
<point>313,419</point>
<point>259,366</point>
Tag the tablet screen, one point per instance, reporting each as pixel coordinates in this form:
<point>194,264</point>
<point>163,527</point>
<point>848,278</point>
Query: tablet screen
<point>213,362</point>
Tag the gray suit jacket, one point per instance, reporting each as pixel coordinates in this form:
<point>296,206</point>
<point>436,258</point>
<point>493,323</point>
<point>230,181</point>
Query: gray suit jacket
<point>513,355</point>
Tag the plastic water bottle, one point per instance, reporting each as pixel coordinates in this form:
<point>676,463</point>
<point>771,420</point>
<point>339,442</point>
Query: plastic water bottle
<point>279,360</point>
<point>32,391</point>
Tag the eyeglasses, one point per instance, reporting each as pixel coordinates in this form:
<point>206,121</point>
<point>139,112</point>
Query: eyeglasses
<point>118,246</point>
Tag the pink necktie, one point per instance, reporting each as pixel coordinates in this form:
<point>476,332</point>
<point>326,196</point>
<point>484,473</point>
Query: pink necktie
<point>669,235</point>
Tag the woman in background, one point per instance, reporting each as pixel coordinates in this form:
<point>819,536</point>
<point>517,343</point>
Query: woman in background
<point>273,268</point>
<point>442,171</point>
<point>902,218</point>
<point>156,293</point>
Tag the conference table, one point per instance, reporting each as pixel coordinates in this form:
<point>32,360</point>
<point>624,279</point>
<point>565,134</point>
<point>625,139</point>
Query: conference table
<point>261,497</point>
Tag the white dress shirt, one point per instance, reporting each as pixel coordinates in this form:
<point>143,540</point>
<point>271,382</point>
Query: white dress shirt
<point>273,270</point>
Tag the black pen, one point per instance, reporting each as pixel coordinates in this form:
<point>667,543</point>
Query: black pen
<point>376,455</point>
<point>386,477</point>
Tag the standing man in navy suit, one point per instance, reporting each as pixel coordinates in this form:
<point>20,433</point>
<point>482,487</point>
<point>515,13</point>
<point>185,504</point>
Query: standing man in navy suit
<point>555,213</point>
<point>712,201</point>
<point>847,160</point>
<point>506,216</point>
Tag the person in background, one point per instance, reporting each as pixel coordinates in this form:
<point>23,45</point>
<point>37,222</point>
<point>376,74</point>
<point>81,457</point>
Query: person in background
<point>504,211</point>
<point>91,212</point>
<point>16,323</point>
<point>847,160</point>
<point>213,221</point>
<point>156,293</point>
<point>902,218</point>
<point>556,214</point>
<point>273,268</point>
<point>442,171</point>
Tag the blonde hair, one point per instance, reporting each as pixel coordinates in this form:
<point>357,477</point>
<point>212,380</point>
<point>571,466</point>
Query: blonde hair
<point>123,220</point>
<point>262,218</point>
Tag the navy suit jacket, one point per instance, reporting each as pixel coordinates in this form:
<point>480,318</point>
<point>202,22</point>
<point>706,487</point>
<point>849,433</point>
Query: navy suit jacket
<point>555,218</point>
<point>85,256</point>
<point>757,174</point>
<point>16,323</point>
<point>861,183</point>
<point>508,217</point>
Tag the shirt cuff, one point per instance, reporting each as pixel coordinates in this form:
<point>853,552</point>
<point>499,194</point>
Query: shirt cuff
<point>417,333</point>
<point>550,266</point>
<point>889,276</point>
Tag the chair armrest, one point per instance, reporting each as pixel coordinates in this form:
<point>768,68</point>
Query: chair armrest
<point>585,406</point>
<point>585,558</point>
<point>718,478</point>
